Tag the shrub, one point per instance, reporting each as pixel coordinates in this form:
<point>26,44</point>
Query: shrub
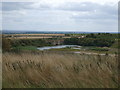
<point>6,44</point>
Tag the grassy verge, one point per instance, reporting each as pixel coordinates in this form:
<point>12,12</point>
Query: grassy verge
<point>109,50</point>
<point>32,48</point>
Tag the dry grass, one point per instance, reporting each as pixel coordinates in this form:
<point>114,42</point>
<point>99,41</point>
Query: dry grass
<point>29,37</point>
<point>32,36</point>
<point>59,70</point>
<point>40,37</point>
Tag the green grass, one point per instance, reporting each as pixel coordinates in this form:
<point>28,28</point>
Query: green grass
<point>116,44</point>
<point>99,49</point>
<point>93,49</point>
<point>32,48</point>
<point>64,49</point>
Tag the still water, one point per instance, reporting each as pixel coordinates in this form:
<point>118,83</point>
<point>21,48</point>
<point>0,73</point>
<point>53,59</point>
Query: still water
<point>57,47</point>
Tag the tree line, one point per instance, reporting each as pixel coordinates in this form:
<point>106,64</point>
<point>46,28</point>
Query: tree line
<point>98,39</point>
<point>89,42</point>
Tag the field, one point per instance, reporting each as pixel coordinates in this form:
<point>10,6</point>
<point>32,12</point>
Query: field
<point>93,63</point>
<point>59,70</point>
<point>34,36</point>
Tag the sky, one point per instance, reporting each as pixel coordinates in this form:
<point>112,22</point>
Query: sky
<point>61,15</point>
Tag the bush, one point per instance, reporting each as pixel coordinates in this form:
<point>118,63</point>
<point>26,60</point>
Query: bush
<point>29,42</point>
<point>89,42</point>
<point>6,44</point>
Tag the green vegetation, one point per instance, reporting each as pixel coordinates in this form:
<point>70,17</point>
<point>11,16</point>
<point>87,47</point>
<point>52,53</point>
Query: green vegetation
<point>103,36</point>
<point>64,49</point>
<point>116,44</point>
<point>99,40</point>
<point>71,41</point>
<point>89,42</point>
<point>6,44</point>
<point>32,48</point>
<point>75,35</point>
<point>96,48</point>
<point>29,42</point>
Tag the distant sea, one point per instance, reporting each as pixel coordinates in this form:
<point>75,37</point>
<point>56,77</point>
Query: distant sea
<point>47,32</point>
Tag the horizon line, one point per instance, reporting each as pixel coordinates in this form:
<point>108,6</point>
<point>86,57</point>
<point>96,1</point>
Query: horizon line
<point>60,31</point>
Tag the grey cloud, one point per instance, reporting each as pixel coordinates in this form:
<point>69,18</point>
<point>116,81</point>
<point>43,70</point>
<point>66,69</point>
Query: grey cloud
<point>103,16</point>
<point>73,6</point>
<point>96,11</point>
<point>36,18</point>
<point>89,6</point>
<point>10,6</point>
<point>102,10</point>
<point>69,6</point>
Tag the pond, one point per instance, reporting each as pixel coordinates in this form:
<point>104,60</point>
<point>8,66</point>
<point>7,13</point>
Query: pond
<point>58,47</point>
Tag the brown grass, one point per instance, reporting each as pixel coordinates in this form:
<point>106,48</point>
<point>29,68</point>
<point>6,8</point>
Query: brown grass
<point>33,36</point>
<point>59,70</point>
<point>38,37</point>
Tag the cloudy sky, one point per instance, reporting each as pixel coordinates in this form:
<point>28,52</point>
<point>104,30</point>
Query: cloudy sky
<point>61,15</point>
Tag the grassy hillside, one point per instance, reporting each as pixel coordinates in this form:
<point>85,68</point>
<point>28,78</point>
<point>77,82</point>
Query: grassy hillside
<point>59,70</point>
